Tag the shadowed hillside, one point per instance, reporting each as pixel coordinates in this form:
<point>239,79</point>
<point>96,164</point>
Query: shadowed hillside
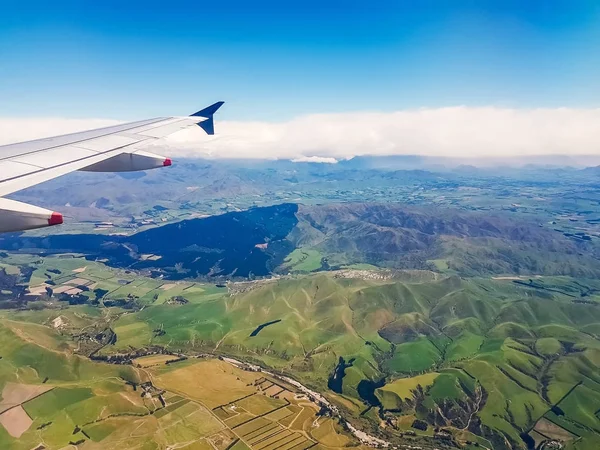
<point>291,238</point>
<point>240,244</point>
<point>468,243</point>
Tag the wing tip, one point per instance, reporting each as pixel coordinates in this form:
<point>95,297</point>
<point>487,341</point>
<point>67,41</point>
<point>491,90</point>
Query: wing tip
<point>208,125</point>
<point>209,110</point>
<point>55,219</point>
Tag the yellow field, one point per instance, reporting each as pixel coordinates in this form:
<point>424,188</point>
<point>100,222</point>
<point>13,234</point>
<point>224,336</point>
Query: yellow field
<point>273,390</point>
<point>267,439</point>
<point>286,421</point>
<point>300,442</point>
<point>403,387</point>
<point>202,444</point>
<point>252,426</point>
<point>266,430</point>
<point>304,419</point>
<point>212,382</point>
<point>326,434</point>
<point>279,414</point>
<point>353,406</point>
<point>188,423</point>
<point>222,440</point>
<point>241,418</point>
<point>153,360</point>
<point>260,404</point>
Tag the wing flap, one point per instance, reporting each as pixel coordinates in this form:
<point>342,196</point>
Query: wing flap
<point>38,175</point>
<point>21,148</point>
<point>106,143</point>
<point>11,169</point>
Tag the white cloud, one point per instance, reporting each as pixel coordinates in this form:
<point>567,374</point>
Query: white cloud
<point>462,132</point>
<point>315,159</point>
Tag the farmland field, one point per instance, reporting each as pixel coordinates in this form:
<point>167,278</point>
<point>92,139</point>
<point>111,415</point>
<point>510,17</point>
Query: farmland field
<point>212,382</point>
<point>153,360</point>
<point>418,357</point>
<point>104,408</point>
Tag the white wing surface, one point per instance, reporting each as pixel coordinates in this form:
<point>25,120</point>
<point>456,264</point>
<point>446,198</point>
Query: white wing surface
<point>118,148</point>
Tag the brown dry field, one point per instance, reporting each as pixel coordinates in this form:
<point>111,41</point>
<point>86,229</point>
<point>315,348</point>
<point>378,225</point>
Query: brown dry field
<point>16,421</point>
<point>39,289</point>
<point>552,430</point>
<point>167,286</point>
<point>62,289</point>
<point>273,390</point>
<point>73,291</point>
<point>78,281</point>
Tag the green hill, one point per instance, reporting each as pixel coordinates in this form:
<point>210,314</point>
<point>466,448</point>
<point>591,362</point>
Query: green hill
<point>505,357</point>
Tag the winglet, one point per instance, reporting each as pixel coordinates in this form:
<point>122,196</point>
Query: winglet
<point>208,125</point>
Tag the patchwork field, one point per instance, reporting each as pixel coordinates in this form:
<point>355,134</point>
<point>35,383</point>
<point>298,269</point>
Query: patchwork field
<point>192,404</point>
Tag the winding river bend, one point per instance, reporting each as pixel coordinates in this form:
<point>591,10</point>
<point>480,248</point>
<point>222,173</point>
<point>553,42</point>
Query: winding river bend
<point>363,437</point>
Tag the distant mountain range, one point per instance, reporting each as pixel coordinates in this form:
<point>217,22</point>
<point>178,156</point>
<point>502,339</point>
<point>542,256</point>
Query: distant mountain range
<point>212,186</point>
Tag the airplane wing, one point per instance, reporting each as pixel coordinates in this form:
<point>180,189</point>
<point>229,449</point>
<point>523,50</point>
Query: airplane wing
<point>119,148</point>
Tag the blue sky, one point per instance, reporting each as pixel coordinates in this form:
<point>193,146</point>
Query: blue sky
<point>274,60</point>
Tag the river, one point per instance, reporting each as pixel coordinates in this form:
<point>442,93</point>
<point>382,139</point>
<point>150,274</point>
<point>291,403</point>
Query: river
<point>363,437</point>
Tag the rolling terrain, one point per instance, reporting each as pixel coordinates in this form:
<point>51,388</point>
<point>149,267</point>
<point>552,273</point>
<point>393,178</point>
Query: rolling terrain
<point>54,399</point>
<point>437,326</point>
<point>501,355</point>
<point>495,360</point>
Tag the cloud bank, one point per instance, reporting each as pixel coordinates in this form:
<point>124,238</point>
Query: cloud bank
<point>454,132</point>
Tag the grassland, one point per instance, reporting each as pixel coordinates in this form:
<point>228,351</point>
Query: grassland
<point>303,260</point>
<point>403,388</point>
<point>77,390</point>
